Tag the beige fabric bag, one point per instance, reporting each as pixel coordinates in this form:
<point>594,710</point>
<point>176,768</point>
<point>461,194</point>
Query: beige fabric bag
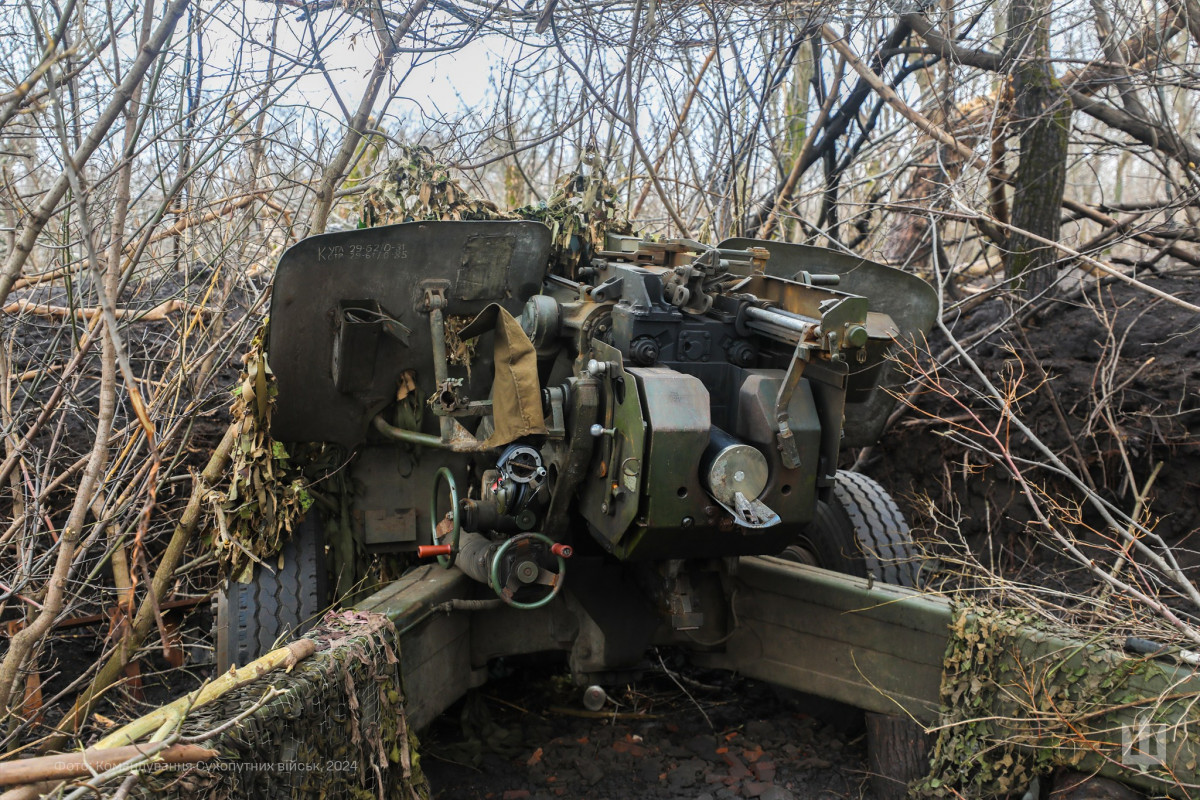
<point>516,393</point>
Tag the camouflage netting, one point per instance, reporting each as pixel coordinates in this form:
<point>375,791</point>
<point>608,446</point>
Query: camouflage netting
<point>337,729</point>
<point>580,212</point>
<point>1020,698</point>
<point>266,496</point>
<point>269,486</point>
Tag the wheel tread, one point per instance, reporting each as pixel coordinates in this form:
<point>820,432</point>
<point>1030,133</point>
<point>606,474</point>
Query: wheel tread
<point>880,529</point>
<point>281,601</point>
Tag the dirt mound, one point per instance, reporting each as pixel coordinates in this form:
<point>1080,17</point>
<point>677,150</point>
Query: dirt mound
<point>1109,381</point>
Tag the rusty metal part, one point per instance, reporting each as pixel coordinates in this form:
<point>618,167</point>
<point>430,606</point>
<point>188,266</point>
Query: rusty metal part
<point>475,553</point>
<point>445,396</point>
<point>484,515</point>
<point>521,464</point>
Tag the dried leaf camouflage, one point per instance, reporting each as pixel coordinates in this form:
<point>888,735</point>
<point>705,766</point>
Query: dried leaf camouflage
<point>267,493</point>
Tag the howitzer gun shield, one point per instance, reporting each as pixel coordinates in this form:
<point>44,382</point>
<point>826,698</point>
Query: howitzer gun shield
<point>476,263</point>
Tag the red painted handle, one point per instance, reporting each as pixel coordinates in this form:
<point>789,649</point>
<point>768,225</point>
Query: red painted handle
<point>431,550</point>
<point>561,549</point>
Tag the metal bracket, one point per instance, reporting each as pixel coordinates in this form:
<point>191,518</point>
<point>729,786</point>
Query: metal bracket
<point>789,455</point>
<point>608,290</point>
<point>556,398</point>
<point>752,514</point>
<point>433,296</point>
<point>453,436</point>
<point>448,402</point>
<point>397,330</point>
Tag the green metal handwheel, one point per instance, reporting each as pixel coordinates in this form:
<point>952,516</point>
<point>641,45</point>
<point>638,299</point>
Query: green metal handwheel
<point>445,558</point>
<point>529,572</point>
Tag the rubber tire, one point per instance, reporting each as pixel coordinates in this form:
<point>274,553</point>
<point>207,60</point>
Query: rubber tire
<point>861,533</point>
<point>279,603</point>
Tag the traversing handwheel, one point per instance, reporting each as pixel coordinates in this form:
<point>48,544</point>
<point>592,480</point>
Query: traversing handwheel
<point>523,552</point>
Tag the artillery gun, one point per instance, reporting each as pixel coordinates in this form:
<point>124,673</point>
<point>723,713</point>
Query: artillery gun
<point>586,455</point>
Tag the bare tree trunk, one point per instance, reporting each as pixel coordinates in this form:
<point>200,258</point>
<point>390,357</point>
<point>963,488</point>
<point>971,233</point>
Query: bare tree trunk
<point>24,641</point>
<point>122,578</point>
<point>1044,114</point>
<point>897,754</point>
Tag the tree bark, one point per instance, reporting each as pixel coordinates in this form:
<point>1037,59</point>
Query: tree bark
<point>1043,114</point>
<point>89,762</point>
<point>897,755</point>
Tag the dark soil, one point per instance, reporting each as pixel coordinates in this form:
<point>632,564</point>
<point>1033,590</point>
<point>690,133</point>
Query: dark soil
<point>46,344</point>
<point>528,736</point>
<point>1121,395</point>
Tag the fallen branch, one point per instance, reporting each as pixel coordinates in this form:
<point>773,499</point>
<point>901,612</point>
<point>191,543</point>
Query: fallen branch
<point>233,204</point>
<point>92,760</point>
<point>48,275</point>
<point>163,578</point>
<point>156,314</point>
<point>171,714</point>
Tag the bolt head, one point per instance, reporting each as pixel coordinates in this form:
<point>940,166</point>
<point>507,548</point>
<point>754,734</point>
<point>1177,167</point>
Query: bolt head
<point>527,572</point>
